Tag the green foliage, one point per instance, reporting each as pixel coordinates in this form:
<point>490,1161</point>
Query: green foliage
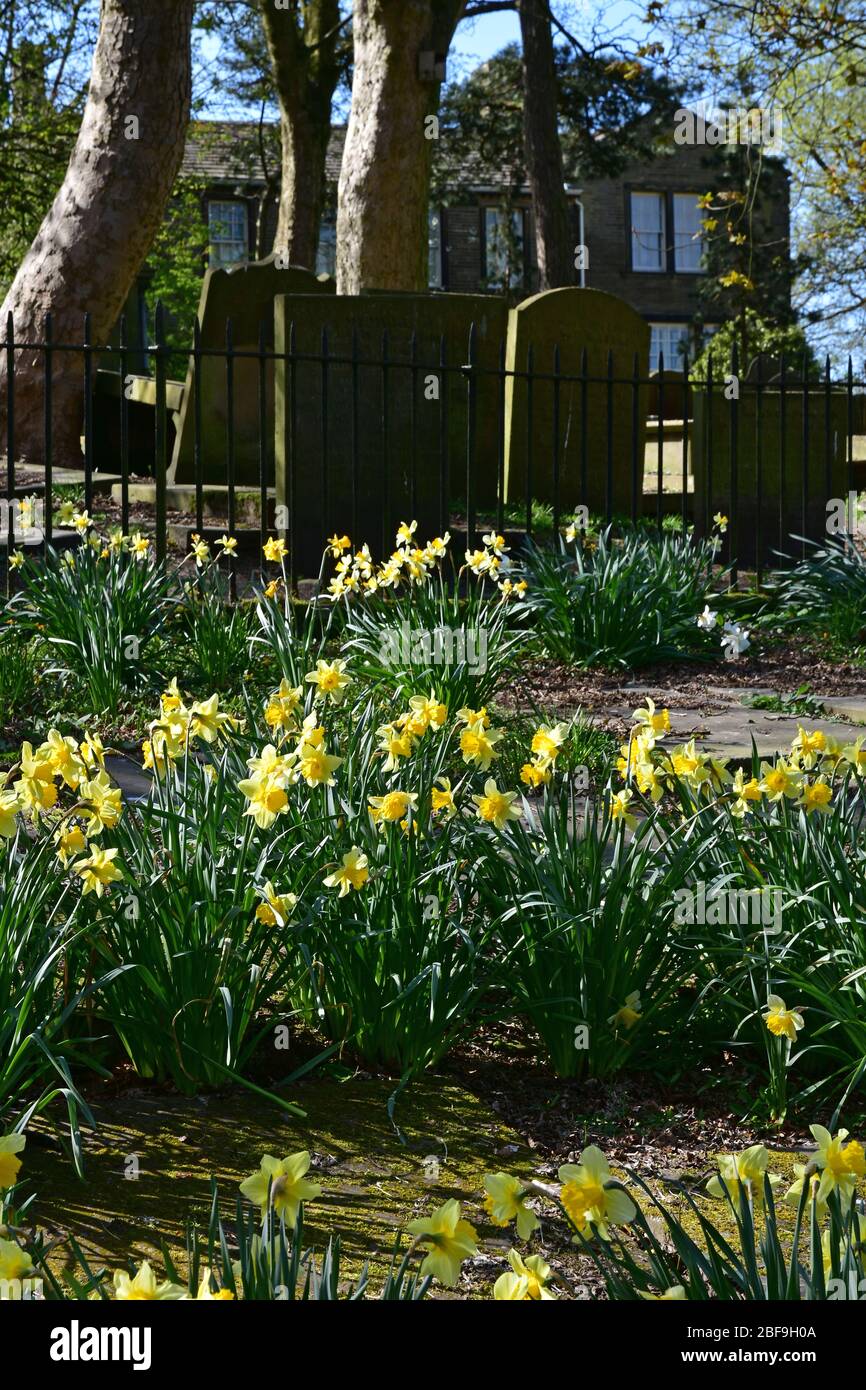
<point>751,334</point>
<point>622,604</point>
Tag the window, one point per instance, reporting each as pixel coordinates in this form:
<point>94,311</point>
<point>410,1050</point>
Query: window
<point>688,234</point>
<point>434,242</point>
<point>503,240</point>
<point>326,255</point>
<point>647,231</point>
<point>670,340</point>
<point>227,232</point>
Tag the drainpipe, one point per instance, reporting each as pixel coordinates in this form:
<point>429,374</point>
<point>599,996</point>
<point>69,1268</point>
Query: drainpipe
<point>574,194</point>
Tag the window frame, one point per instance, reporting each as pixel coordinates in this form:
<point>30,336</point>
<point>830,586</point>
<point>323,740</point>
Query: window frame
<point>661,195</point>
<point>682,270</point>
<point>215,262</point>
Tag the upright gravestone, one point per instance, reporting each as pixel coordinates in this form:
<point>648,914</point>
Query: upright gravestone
<point>592,429</point>
<point>245,295</point>
<point>371,412</point>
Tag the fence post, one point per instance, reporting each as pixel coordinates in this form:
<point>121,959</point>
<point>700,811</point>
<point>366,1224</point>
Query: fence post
<point>124,431</point>
<point>636,473</point>
<point>556,391</point>
<point>263,434</point>
<point>198,471</point>
<point>660,455</point>
<point>734,462</point>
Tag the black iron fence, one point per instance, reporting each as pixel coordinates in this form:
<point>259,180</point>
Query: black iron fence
<point>353,432</point>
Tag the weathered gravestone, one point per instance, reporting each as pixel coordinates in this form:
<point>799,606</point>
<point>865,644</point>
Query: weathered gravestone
<point>371,412</point>
<point>245,294</point>
<point>574,320</point>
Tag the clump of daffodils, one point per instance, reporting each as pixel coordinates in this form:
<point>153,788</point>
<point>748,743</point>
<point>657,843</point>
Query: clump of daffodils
<point>174,733</point>
<point>803,777</point>
<point>76,769</point>
<point>412,564</point>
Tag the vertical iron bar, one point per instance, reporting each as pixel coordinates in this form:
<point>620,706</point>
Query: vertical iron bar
<point>734,448</point>
<point>230,449</point>
<point>783,442</point>
<point>469,371</point>
<point>500,457</point>
<point>686,438</point>
<point>292,496</point>
<point>124,432</point>
<point>48,430</point>
<point>386,423</point>
<point>660,449</point>
<point>356,441</point>
<point>263,434</point>
<point>584,394</point>
<point>635,430</point>
<point>530,381</point>
<point>804,481</point>
<point>198,470</point>
<point>608,490</point>
<point>556,391</point>
<point>708,431</point>
<point>759,472</point>
<point>88,415</point>
<point>413,423</point>
<point>10,447</point>
<point>444,452</point>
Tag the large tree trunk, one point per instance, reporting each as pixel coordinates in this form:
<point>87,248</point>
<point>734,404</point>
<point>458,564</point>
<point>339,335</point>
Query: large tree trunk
<point>554,229</point>
<point>107,212</point>
<point>385,178</point>
<point>302,43</point>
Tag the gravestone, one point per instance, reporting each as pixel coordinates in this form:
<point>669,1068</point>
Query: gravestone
<point>372,429</point>
<point>576,319</point>
<point>245,294</point>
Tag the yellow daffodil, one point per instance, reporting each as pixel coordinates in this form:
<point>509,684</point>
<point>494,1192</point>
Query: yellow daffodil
<point>657,721</point>
<point>15,1263</point>
<point>330,679</point>
<point>478,745</point>
<point>533,775</point>
<point>275,550</point>
<point>512,1287</point>
<point>748,1168</point>
<point>841,1164</point>
<point>472,717</point>
<point>449,1239</point>
<point>394,806</point>
<point>70,841</point>
<point>619,812</point>
<point>9,808</point>
<point>816,796</point>
<point>804,1174</point>
<point>288,1185</point>
<point>721,521</point>
<point>281,710</point>
<point>275,909</point>
<point>338,544</point>
<point>200,552</point>
<point>675,1294</point>
<point>144,1286</point>
<point>101,803</point>
<point>228,544</point>
<point>589,1199</point>
<point>316,766</point>
<point>98,870</point>
<point>207,1295</point>
<point>496,807</point>
<point>506,1202</point>
<point>16,560</point>
<point>11,1145</point>
<point>781,1021</point>
<point>781,779</point>
<point>352,873</point>
<point>629,1014</point>
<point>442,798</point>
<point>139,545</point>
<point>745,793</point>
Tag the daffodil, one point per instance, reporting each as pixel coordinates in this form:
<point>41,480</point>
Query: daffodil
<point>513,1287</point>
<point>9,808</point>
<point>16,560</point>
<point>810,747</point>
<point>330,679</point>
<point>746,793</point>
<point>816,796</point>
<point>11,1145</point>
<point>478,745</point>
<point>207,1295</point>
<point>275,550</point>
<point>143,1286</point>
<point>841,1164</point>
<point>98,870</point>
<point>283,1182</point>
<point>675,1294</point>
<point>442,798</point>
<point>781,1021</point>
<point>449,1240</point>
<point>657,721</point>
<point>275,909</point>
<point>721,521</point>
<point>316,766</point>
<point>496,807</point>
<point>629,1014</point>
<point>619,812</point>
<point>533,775</point>
<point>15,1263</point>
<point>62,754</point>
<point>394,806</point>
<point>139,545</point>
<point>589,1199</point>
<point>506,1202</point>
<point>228,544</point>
<point>200,551</point>
<point>70,841</point>
<point>338,544</point>
<point>281,710</point>
<point>780,779</point>
<point>352,873</point>
<point>747,1169</point>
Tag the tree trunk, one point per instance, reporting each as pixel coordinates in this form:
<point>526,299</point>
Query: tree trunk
<point>384,182</point>
<point>107,211</point>
<point>554,228</point>
<point>303,50</point>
